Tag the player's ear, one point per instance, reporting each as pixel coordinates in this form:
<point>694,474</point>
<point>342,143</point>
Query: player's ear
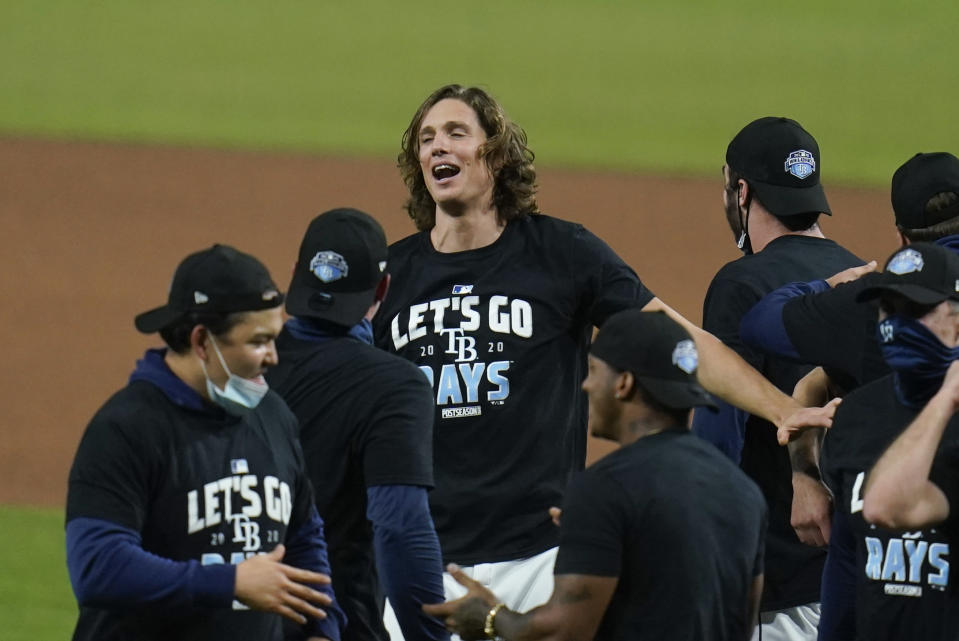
<point>625,386</point>
<point>198,339</point>
<point>743,194</point>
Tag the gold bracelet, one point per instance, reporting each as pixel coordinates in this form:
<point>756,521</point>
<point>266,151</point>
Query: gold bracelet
<point>490,627</point>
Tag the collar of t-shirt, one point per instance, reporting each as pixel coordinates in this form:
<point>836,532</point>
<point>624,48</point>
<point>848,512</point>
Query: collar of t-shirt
<point>308,329</point>
<point>153,369</point>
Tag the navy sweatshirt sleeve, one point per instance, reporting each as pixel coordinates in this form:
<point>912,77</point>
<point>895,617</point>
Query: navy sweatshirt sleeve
<point>306,549</point>
<point>408,556</point>
<point>108,567</point>
<point>763,328</point>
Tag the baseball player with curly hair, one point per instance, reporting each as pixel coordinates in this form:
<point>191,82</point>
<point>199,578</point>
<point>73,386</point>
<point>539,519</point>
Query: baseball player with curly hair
<point>496,304</point>
<point>189,511</point>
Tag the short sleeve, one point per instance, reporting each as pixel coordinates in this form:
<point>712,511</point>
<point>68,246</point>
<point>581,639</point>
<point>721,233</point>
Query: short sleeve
<point>593,528</point>
<point>607,283</point>
<point>397,441</point>
<point>109,478</point>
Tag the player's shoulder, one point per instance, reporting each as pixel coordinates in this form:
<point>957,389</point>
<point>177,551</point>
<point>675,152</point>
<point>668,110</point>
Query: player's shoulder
<point>138,414</point>
<point>132,405</point>
<point>383,364</point>
<point>406,251</point>
<point>737,269</point>
<point>875,396</point>
<point>273,407</point>
<point>866,419</point>
<point>549,229</point>
<point>406,246</point>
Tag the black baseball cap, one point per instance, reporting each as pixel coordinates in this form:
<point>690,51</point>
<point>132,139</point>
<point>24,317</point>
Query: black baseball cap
<point>341,262</point>
<point>659,353</point>
<point>925,273</point>
<point>780,161</point>
<point>919,179</point>
<point>220,279</point>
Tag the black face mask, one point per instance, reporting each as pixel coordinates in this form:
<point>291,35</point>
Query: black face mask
<point>744,245</point>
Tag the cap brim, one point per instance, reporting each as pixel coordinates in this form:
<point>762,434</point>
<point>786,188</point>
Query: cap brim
<point>155,319</point>
<point>343,308</point>
<point>678,394</point>
<point>912,291</point>
<point>792,201</point>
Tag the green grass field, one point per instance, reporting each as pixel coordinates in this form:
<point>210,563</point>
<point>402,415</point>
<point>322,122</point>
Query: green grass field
<point>658,85</point>
<point>35,597</point>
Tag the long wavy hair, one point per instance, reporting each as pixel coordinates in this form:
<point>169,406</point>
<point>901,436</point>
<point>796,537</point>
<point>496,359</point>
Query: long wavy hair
<point>509,159</point>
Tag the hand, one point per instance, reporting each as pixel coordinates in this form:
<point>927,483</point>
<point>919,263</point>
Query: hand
<point>851,274</point>
<point>264,583</point>
<point>465,616</point>
<point>811,509</point>
<point>555,513</point>
<point>806,418</point>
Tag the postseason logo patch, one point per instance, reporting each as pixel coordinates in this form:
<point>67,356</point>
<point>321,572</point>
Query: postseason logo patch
<point>329,266</point>
<point>800,164</point>
<point>905,262</point>
<point>685,356</point>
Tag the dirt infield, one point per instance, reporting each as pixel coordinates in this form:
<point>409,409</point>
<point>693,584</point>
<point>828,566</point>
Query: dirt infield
<point>92,233</point>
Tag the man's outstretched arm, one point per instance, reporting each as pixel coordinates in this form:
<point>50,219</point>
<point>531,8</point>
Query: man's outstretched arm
<point>574,611</point>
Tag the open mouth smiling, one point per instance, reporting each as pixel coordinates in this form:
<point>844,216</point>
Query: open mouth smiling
<point>445,171</point>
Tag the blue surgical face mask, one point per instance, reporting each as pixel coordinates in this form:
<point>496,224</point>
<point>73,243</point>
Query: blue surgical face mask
<point>917,356</point>
<point>239,395</point>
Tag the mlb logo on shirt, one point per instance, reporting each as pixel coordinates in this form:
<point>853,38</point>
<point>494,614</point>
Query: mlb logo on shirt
<point>239,466</point>
<point>462,289</point>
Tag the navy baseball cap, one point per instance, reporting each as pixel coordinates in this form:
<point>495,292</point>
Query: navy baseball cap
<point>780,161</point>
<point>925,273</point>
<point>220,279</point>
<point>659,353</point>
<point>919,179</point>
<point>341,262</point>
